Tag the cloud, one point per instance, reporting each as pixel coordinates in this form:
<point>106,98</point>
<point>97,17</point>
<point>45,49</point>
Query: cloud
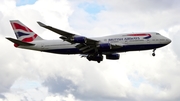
<point>136,76</point>
<point>137,15</point>
<point>175,37</point>
<point>69,97</point>
<point>91,8</point>
<point>2,96</point>
<point>59,85</point>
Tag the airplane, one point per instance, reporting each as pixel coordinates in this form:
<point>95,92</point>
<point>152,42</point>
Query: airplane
<point>91,48</point>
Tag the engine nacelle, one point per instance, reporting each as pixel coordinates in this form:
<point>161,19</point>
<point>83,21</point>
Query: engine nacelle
<point>113,56</point>
<point>79,39</point>
<point>104,46</point>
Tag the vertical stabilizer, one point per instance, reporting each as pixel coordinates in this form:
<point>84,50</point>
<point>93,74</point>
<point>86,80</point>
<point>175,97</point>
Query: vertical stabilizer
<point>23,33</point>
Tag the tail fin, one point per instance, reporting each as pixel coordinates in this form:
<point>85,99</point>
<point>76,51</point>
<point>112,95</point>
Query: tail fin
<point>23,33</point>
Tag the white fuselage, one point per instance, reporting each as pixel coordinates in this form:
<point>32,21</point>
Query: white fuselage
<point>134,42</point>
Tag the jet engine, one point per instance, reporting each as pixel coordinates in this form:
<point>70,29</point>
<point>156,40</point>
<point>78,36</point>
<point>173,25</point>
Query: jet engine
<point>79,39</point>
<point>104,46</point>
<point>112,56</point>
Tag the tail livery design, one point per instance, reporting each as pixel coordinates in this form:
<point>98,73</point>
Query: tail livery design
<point>23,33</point>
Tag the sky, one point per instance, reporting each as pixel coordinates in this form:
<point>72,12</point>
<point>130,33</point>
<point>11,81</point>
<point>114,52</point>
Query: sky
<point>36,76</point>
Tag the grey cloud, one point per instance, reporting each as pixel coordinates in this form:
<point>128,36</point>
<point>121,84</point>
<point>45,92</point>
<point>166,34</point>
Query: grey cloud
<point>125,16</point>
<point>88,80</point>
<point>2,96</point>
<point>26,99</point>
<point>134,15</point>
<point>175,42</point>
<point>59,84</point>
<point>7,75</point>
<point>142,5</point>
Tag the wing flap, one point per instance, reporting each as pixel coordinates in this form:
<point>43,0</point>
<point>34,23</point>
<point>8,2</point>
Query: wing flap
<point>20,42</point>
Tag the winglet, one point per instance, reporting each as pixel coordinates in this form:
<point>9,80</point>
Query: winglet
<point>41,24</point>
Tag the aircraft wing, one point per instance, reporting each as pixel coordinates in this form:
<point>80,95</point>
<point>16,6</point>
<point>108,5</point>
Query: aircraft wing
<point>86,46</point>
<point>66,36</point>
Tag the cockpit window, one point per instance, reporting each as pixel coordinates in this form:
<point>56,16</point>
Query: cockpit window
<point>157,34</point>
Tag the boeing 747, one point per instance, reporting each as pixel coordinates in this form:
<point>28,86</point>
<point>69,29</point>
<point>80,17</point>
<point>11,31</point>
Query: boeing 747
<point>91,48</point>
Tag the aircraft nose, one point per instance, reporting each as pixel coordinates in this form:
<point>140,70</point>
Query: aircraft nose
<point>168,40</point>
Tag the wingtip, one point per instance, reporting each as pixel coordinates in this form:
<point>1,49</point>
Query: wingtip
<point>41,24</point>
<point>8,38</point>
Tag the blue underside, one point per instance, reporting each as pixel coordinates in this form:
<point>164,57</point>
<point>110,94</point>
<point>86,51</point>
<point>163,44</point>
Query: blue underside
<point>123,49</point>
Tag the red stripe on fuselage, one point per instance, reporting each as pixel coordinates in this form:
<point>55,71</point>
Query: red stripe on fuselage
<point>18,26</point>
<point>143,34</point>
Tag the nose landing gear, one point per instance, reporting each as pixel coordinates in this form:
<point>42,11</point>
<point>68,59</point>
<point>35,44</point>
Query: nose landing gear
<point>153,54</point>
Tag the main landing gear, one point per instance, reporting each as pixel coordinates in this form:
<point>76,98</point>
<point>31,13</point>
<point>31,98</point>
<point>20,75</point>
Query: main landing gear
<point>153,54</point>
<point>95,57</point>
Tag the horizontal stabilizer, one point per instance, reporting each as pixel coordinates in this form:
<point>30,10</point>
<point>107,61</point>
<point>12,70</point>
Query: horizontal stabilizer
<point>20,42</point>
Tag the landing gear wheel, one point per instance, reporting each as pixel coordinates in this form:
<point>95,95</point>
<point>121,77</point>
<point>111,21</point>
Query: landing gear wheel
<point>153,54</point>
<point>94,57</point>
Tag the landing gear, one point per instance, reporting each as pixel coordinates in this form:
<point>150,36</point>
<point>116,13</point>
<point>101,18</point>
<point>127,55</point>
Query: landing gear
<point>153,54</point>
<point>97,57</point>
